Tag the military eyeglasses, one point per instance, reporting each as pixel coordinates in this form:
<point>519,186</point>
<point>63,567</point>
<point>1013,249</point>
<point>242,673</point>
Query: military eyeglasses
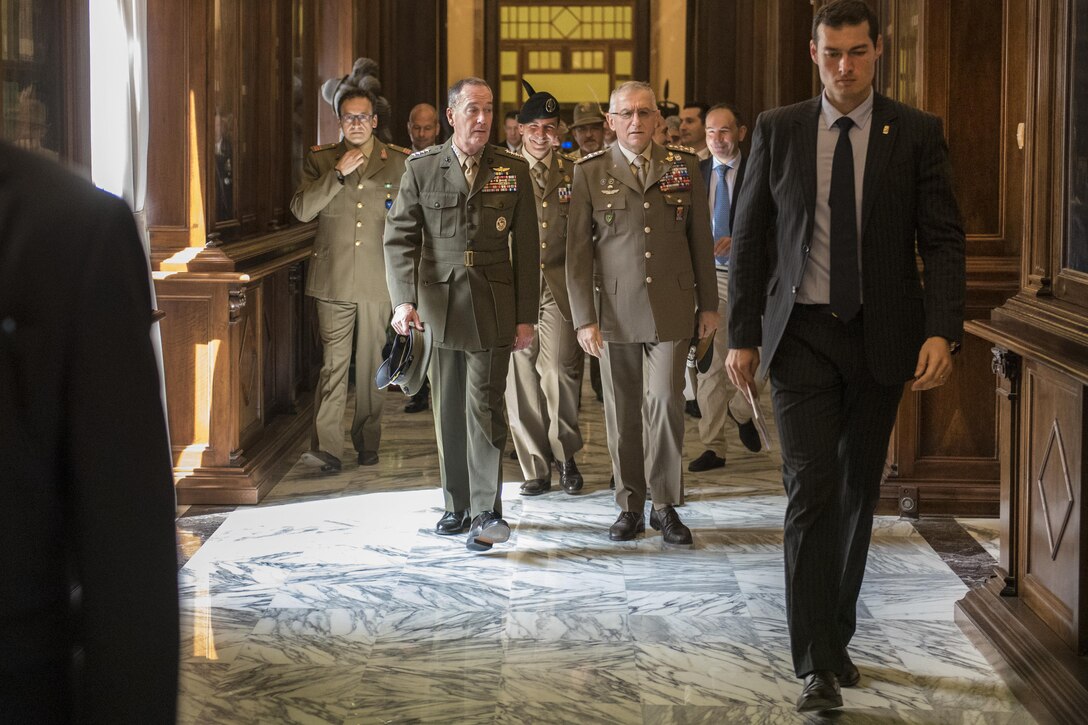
<point>644,114</point>
<point>356,119</point>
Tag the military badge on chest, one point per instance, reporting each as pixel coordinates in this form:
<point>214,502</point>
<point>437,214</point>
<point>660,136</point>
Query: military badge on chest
<point>676,178</point>
<point>564,194</point>
<point>502,180</point>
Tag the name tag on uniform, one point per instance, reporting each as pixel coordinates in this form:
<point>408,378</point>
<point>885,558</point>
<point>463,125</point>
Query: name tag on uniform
<point>564,194</point>
<point>675,179</point>
<point>502,180</point>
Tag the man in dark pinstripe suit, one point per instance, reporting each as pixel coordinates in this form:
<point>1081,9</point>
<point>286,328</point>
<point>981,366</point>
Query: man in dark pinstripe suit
<point>824,279</point>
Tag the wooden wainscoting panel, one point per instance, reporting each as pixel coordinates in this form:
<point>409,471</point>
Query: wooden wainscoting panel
<point>1053,488</point>
<point>189,363</point>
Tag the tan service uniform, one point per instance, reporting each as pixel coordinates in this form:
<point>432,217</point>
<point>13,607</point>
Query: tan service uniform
<point>545,378</point>
<point>640,261</point>
<point>469,261</point>
<point>347,279</point>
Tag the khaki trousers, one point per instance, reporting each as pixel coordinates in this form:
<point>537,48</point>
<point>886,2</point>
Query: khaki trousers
<point>338,323</point>
<point>644,395</point>
<point>716,393</point>
<point>467,390</point>
<point>542,393</point>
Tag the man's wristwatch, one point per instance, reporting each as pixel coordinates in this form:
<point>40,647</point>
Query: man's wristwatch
<point>953,347</point>
<point>339,176</point>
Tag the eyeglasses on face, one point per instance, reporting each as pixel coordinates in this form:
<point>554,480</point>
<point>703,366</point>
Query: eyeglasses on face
<point>643,114</point>
<point>352,119</point>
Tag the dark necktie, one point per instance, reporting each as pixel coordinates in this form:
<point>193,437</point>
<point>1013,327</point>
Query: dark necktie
<point>538,176</point>
<point>845,285</point>
<point>720,219</point>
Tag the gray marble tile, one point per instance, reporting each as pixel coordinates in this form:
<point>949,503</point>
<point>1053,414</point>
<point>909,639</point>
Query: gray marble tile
<point>514,711</point>
<point>575,625</point>
<point>705,674</point>
<point>562,671</point>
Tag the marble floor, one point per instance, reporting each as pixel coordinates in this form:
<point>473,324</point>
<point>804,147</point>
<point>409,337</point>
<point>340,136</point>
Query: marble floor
<point>333,601</point>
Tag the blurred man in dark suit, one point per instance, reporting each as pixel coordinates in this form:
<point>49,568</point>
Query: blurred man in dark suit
<point>88,597</point>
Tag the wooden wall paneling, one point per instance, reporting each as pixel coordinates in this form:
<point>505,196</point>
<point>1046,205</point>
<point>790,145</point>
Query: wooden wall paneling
<point>1053,501</point>
<point>335,54</point>
<point>1007,366</point>
<point>248,351</point>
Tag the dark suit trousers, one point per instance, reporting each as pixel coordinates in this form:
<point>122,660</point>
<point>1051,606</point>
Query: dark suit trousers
<point>467,389</point>
<point>834,421</point>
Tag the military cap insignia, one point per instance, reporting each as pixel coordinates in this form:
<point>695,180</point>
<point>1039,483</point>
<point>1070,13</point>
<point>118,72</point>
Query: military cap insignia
<point>502,180</point>
<point>677,178</point>
<point>593,155</point>
<point>323,147</point>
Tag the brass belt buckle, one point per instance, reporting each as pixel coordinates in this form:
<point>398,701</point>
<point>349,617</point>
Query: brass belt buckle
<point>470,258</point>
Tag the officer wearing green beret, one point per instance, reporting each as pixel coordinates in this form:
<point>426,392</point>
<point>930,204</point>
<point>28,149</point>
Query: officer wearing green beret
<point>462,255</point>
<point>349,187</point>
<point>545,378</point>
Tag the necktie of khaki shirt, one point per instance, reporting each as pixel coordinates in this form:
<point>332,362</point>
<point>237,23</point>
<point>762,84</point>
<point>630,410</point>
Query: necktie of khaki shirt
<point>638,168</point>
<point>469,167</point>
<point>538,177</point>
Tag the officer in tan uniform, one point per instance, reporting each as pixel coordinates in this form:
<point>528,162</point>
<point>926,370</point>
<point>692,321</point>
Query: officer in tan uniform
<point>349,187</point>
<point>542,392</point>
<point>640,263</point>
<point>462,256</point>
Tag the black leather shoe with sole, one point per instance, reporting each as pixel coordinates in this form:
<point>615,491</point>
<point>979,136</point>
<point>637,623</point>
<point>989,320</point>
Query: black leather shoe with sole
<point>821,692</point>
<point>628,525</point>
<point>487,529</point>
<point>673,531</point>
<point>452,522</point>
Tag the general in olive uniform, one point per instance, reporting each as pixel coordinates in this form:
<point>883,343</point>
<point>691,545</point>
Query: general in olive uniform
<point>545,378</point>
<point>349,187</point>
<point>461,250</point>
<point>640,263</point>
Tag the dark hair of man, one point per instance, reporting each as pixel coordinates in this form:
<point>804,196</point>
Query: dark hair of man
<point>357,93</point>
<point>840,13</point>
<point>453,98</point>
<point>703,108</point>
<point>511,114</point>
<point>727,107</point>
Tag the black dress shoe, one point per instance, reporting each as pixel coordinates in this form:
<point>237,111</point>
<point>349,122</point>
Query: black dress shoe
<point>628,525</point>
<point>452,522</point>
<point>849,677</point>
<point>535,487</point>
<point>706,462</point>
<point>368,458</point>
<point>691,407</point>
<point>821,692</point>
<point>570,478</point>
<point>327,462</point>
<point>747,432</point>
<point>487,529</point>
<point>417,405</point>
<point>672,529</point>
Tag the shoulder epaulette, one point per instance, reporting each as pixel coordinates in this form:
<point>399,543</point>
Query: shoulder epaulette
<point>430,150</point>
<point>401,149</point>
<point>568,157</point>
<point>324,147</point>
<point>509,153</point>
<point>678,147</point>
<point>593,155</point>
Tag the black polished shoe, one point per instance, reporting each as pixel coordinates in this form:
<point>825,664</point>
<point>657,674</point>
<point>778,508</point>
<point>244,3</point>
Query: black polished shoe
<point>487,529</point>
<point>570,478</point>
<point>368,458</point>
<point>747,433</point>
<point>850,676</point>
<point>327,462</point>
<point>691,407</point>
<point>673,531</point>
<point>417,405</point>
<point>452,522</point>
<point>535,487</point>
<point>629,524</point>
<point>821,692</point>
<point>706,462</point>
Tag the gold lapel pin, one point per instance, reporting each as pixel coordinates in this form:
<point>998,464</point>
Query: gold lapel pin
<point>886,129</point>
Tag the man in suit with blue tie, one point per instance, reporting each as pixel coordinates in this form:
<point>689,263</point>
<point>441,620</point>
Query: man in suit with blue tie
<point>718,399</point>
<point>841,194</point>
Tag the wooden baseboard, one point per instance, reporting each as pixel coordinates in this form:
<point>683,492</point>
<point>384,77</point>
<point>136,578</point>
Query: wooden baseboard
<point>249,482</point>
<point>1044,674</point>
